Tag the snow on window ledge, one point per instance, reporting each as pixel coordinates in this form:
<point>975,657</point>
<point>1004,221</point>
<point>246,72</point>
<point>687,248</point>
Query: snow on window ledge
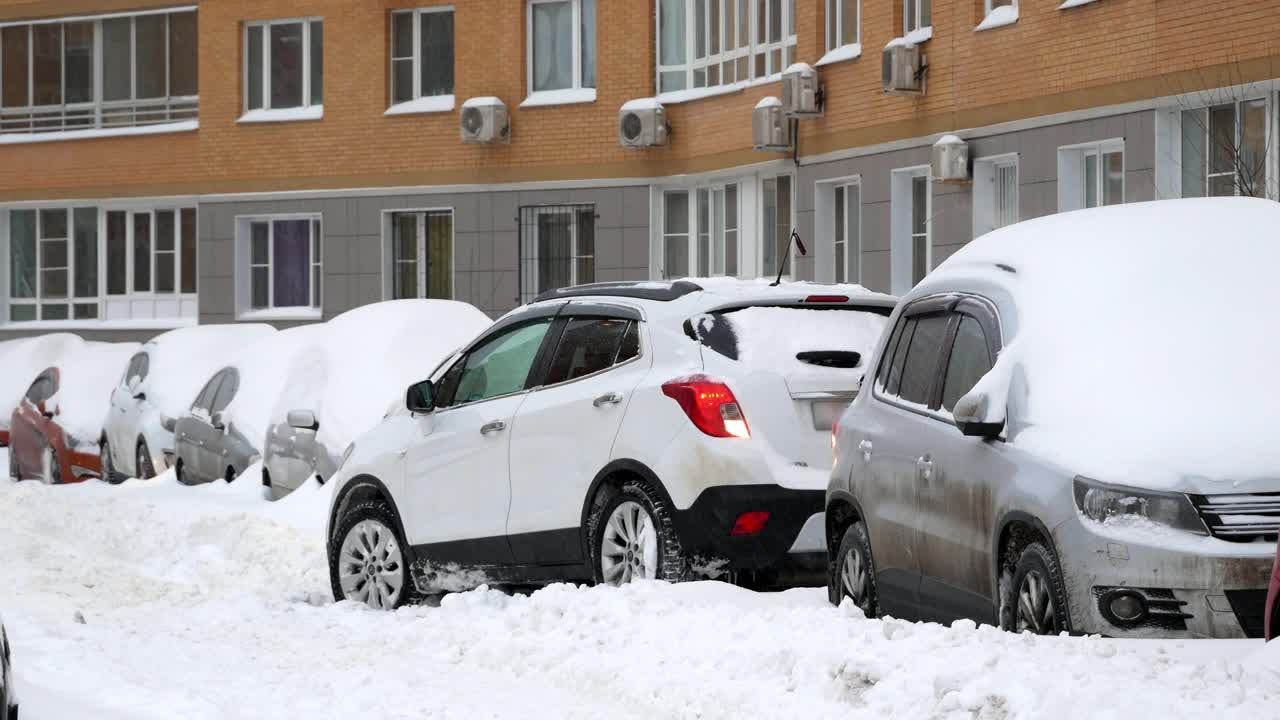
<point>310,112</point>
<point>282,313</point>
<point>131,324</point>
<point>1074,3</point>
<point>431,104</point>
<point>999,17</point>
<point>675,97</point>
<point>173,127</point>
<point>840,54</point>
<point>919,35</point>
<point>571,96</point>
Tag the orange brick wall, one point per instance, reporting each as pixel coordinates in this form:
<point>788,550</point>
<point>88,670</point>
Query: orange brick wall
<point>1049,61</point>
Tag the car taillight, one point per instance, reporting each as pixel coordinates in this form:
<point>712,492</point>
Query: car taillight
<point>750,523</point>
<point>710,404</point>
<point>827,299</point>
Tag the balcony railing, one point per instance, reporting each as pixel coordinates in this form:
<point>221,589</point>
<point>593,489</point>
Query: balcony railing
<point>98,116</point>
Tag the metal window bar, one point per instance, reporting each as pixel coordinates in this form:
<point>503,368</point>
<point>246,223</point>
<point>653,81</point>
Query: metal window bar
<point>557,247</point>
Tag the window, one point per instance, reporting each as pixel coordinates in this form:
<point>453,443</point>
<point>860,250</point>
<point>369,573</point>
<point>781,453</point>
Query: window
<point>557,248</point>
<point>284,66</point>
<point>151,256</point>
<point>710,43</point>
<point>916,15</point>
<point>1091,175</point>
<point>777,223</point>
<point>204,400</point>
<point>1224,150</point>
<point>847,232</point>
<point>139,365</point>
<point>590,345</point>
<point>991,6</point>
<point>147,65</point>
<point>498,366</point>
<point>226,390</point>
<point>421,54</point>
<point>422,254</point>
<point>921,363</point>
<point>842,23</point>
<point>970,360</point>
<point>283,257</point>
<point>53,264</point>
<point>893,383</point>
<point>995,194</point>
<point>715,226</point>
<point>40,390</point>
<point>562,45</point>
<point>911,251</point>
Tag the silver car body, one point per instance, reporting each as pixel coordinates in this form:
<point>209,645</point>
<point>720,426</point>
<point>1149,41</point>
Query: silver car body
<point>293,453</point>
<point>945,512</point>
<point>206,446</point>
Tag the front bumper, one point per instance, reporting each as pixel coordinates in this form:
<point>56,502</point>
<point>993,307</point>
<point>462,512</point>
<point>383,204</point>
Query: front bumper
<point>1189,586</point>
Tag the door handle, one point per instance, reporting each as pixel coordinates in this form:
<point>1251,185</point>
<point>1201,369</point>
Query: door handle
<point>865,448</point>
<point>612,398</point>
<point>493,427</point>
<point>924,464</point>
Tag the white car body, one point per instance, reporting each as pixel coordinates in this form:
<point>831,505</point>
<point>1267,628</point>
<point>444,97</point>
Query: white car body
<point>499,490</point>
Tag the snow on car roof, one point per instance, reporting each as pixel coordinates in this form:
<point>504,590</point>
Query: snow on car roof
<point>86,377</point>
<point>181,361</point>
<point>25,358</point>
<point>1146,350</point>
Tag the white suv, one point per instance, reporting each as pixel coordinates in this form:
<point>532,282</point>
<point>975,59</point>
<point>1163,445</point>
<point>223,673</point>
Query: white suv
<point>609,432</point>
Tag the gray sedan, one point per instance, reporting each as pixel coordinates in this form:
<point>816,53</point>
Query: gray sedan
<point>207,445</point>
<point>293,453</point>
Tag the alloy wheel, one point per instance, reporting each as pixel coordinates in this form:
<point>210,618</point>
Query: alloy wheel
<point>629,545</point>
<point>1036,611</point>
<point>855,578</point>
<point>370,567</point>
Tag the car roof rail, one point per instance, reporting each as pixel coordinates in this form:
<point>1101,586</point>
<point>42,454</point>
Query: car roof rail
<point>639,290</point>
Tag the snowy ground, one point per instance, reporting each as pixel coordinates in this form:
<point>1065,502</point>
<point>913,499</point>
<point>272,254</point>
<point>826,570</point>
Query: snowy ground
<point>212,603</point>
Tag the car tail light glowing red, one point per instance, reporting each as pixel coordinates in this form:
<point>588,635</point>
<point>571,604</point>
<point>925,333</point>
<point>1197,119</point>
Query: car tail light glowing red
<point>710,404</point>
<point>750,523</point>
<point>827,299</point>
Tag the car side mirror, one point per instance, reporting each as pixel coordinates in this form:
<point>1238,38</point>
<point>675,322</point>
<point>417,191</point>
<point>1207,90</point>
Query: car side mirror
<point>217,421</point>
<point>975,416</point>
<point>420,399</point>
<point>140,396</point>
<point>303,420</point>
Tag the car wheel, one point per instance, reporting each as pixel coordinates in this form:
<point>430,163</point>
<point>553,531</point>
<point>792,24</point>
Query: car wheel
<point>180,472</point>
<point>367,559</point>
<point>230,477</point>
<point>1036,601</point>
<point>14,473</point>
<point>142,461</point>
<point>632,537</point>
<point>52,469</point>
<point>854,576</point>
<point>108,464</point>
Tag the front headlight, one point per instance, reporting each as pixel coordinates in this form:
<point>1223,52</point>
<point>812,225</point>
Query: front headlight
<point>1102,502</point>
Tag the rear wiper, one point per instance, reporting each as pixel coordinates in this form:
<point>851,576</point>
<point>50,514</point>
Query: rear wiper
<point>831,358</point>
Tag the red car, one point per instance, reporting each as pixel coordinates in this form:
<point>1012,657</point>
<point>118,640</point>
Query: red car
<point>38,445</point>
<point>1271,618</point>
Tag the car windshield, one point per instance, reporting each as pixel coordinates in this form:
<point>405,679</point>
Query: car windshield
<point>790,339</point>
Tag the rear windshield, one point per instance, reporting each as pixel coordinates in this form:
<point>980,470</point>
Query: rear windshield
<point>792,338</point>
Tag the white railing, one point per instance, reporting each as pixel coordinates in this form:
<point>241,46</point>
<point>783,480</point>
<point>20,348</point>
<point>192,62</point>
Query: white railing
<point>96,116</point>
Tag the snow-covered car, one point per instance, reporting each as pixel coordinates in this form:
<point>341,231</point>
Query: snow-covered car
<point>1272,612</point>
<point>22,360</point>
<point>362,364</point>
<point>53,432</point>
<point>218,437</point>
<point>8,697</point>
<point>1071,427</point>
<point>156,389</point>
<point>609,432</point>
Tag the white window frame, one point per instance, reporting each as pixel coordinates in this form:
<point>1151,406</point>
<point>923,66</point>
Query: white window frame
<point>693,196</point>
<point>266,113</point>
<point>917,6</point>
<point>389,259</point>
<point>575,93</point>
<point>825,228</point>
<point>419,102</point>
<point>986,194</point>
<point>902,239</point>
<point>244,274</point>
<point>1071,170</point>
<point>835,25</point>
<point>1238,105</point>
<point>787,262</point>
<point>786,46</point>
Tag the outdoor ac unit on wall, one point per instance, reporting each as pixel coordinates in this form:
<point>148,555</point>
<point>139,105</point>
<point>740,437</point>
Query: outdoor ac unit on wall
<point>769,128</point>
<point>642,123</point>
<point>950,160</point>
<point>903,68</point>
<point>485,121</point>
<point>801,93</point>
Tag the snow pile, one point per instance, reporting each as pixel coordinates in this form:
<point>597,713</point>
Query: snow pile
<point>268,370</point>
<point>1147,358</point>
<point>181,361</point>
<point>23,359</point>
<point>769,338</point>
<point>86,377</point>
<point>178,585</point>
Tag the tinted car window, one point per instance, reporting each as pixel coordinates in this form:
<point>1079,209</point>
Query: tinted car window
<point>40,390</point>
<point>886,359</point>
<point>894,382</point>
<point>144,366</point>
<point>587,346</point>
<point>922,358</point>
<point>499,366</point>
<point>226,391</point>
<point>630,343</point>
<point>205,398</point>
<point>970,360</point>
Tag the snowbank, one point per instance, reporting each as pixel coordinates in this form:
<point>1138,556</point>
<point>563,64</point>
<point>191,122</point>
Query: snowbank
<point>23,359</point>
<point>1147,358</point>
<point>183,360</point>
<point>87,376</point>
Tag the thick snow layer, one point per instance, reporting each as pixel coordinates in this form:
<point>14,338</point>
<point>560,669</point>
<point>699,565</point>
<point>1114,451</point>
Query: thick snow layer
<point>948,140</point>
<point>1145,360</point>
<point>770,337</point>
<point>310,112</point>
<point>95,134</point>
<point>769,101</point>
<point>428,104</point>
<point>270,369</point>
<point>999,17</point>
<point>641,104</point>
<point>155,601</point>
<point>182,361</point>
<point>86,378</point>
<point>840,54</point>
<point>23,359</point>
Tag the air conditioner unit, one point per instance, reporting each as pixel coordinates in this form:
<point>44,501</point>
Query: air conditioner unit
<point>801,93</point>
<point>642,123</point>
<point>950,160</point>
<point>902,68</point>
<point>769,129</point>
<point>485,120</point>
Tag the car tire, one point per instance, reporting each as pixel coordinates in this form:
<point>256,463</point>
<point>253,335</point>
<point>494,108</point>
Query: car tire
<point>380,579</point>
<point>142,464</point>
<point>109,472</point>
<point>641,536</point>
<point>230,476</point>
<point>854,573</point>
<point>180,472</point>
<point>1036,600</point>
<point>14,473</point>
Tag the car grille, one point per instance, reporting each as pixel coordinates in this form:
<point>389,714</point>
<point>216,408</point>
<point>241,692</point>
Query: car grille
<point>1249,607</point>
<point>1241,518</point>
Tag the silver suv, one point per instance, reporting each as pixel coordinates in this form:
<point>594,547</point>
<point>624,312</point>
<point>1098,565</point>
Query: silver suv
<point>1090,480</point>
